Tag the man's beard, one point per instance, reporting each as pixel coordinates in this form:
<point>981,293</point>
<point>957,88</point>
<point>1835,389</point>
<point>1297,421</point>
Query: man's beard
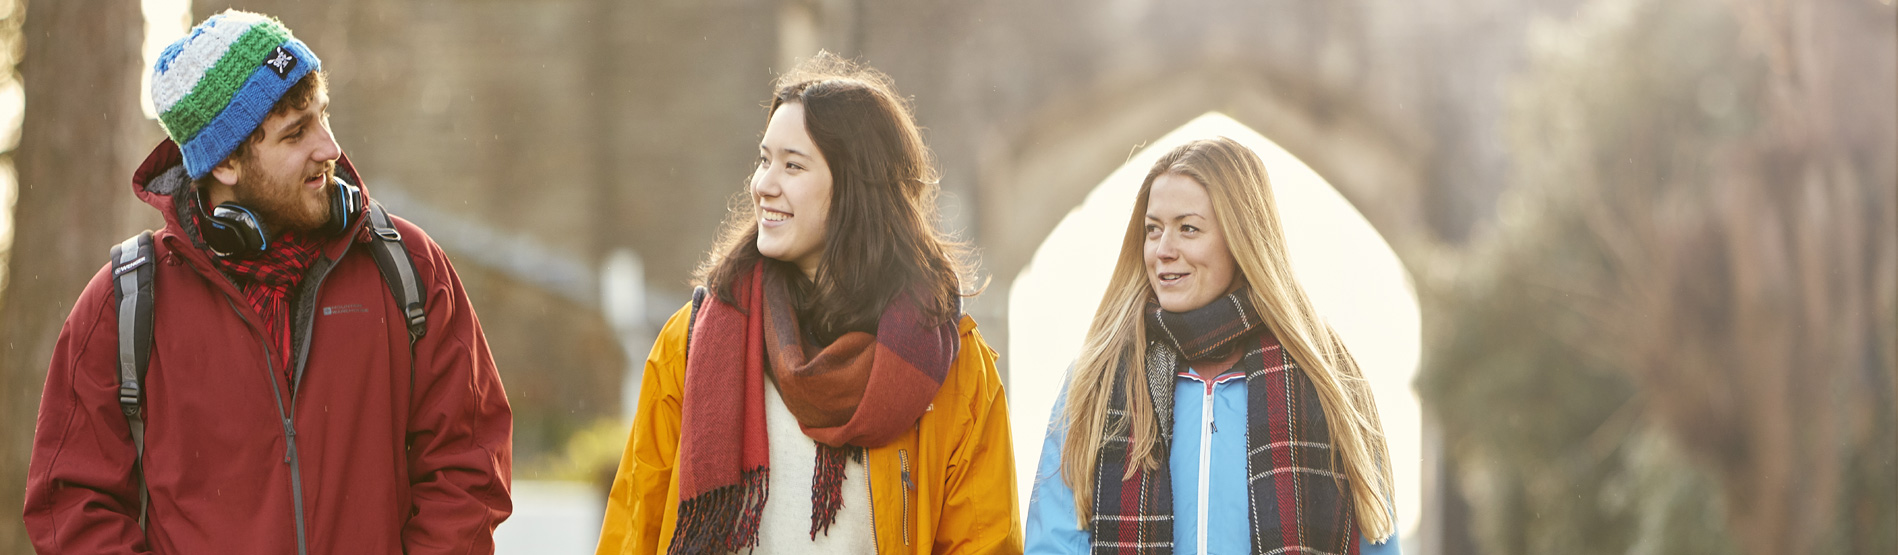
<point>283,203</point>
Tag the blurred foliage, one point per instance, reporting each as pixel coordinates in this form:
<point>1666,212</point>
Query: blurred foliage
<point>1679,337</point>
<point>591,455</point>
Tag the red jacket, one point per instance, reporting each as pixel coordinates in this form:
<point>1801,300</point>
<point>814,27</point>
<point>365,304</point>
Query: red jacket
<point>384,467</point>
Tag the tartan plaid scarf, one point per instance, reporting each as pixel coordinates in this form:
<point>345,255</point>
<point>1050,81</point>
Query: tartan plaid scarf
<point>267,282</point>
<point>860,391</point>
<point>1298,502</point>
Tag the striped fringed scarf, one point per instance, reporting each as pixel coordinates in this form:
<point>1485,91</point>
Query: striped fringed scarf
<point>1297,502</point>
<point>860,391</point>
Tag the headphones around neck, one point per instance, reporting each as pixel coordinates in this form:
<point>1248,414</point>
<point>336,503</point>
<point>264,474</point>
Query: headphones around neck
<point>233,231</point>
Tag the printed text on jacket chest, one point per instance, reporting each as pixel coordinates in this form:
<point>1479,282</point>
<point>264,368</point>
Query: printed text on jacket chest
<point>351,308</point>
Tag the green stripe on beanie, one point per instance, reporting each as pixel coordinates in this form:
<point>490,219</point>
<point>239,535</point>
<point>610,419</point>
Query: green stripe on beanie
<point>213,92</point>
<point>217,84</point>
<point>249,107</point>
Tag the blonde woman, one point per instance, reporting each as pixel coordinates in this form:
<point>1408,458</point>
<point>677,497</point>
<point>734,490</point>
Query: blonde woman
<point>1212,410</point>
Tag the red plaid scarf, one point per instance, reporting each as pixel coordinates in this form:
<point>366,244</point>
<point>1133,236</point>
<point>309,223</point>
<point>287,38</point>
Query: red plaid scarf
<point>1298,502</point>
<point>267,282</point>
<point>860,391</point>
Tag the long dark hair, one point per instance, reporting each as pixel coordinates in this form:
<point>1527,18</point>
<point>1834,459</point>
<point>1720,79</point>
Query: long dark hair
<point>881,237</point>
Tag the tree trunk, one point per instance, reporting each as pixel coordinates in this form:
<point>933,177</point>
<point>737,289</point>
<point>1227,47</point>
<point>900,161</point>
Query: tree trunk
<point>79,142</point>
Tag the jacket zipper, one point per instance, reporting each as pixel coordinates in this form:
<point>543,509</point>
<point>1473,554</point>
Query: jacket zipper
<point>304,314</point>
<point>288,417</point>
<point>302,324</point>
<point>870,492</point>
<point>289,430</point>
<point>902,456</point>
<point>1207,427</point>
<point>1206,430</point>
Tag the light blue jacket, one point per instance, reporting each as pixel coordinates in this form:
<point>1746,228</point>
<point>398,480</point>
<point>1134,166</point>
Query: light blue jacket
<point>1208,432</point>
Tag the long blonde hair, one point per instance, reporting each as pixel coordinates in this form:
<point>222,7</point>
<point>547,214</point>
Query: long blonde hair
<point>1235,179</point>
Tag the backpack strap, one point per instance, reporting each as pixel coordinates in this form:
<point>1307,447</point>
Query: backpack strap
<point>698,298</point>
<point>132,271</point>
<point>398,269</point>
<point>392,257</point>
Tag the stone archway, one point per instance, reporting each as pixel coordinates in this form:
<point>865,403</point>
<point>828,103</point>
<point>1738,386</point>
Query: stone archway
<point>1041,168</point>
<point>1034,172</point>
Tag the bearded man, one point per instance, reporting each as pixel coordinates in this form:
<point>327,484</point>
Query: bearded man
<point>313,379</point>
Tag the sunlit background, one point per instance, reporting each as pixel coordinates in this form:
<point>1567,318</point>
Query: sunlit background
<point>1623,274</point>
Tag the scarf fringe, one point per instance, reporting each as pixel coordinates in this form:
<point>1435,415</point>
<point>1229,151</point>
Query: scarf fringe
<point>724,519</point>
<point>827,485</point>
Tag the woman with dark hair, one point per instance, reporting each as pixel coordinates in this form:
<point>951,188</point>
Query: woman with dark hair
<point>826,395</point>
<point>1212,409</point>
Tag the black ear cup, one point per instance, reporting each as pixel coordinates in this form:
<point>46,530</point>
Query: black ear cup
<point>233,231</point>
<point>345,207</point>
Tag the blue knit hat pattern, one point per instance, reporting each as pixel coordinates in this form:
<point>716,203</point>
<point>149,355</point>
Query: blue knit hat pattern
<point>213,87</point>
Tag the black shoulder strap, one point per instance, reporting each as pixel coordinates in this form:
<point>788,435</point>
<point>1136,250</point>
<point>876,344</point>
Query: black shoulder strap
<point>698,298</point>
<point>392,257</point>
<point>132,263</point>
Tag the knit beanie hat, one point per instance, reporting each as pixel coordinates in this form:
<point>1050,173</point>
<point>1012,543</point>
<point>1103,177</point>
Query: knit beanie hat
<point>216,85</point>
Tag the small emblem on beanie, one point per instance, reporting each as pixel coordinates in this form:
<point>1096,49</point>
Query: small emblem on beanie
<point>281,61</point>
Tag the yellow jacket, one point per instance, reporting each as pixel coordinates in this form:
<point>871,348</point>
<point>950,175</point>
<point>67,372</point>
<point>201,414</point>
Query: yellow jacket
<point>959,455</point>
